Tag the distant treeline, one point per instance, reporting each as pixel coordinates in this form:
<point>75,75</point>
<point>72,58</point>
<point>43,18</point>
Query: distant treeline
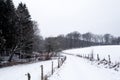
<point>77,40</point>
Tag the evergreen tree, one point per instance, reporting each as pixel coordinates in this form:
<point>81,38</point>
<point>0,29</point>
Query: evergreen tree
<point>25,29</point>
<point>3,19</point>
<point>7,24</point>
<point>16,28</point>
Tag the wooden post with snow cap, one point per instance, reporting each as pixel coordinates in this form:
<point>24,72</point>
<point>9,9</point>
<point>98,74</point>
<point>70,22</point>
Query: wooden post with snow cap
<point>41,72</point>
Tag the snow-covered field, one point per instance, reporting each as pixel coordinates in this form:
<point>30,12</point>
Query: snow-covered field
<point>18,72</point>
<point>103,51</point>
<point>74,68</point>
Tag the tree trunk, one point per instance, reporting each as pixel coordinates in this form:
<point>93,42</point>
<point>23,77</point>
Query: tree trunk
<point>11,56</point>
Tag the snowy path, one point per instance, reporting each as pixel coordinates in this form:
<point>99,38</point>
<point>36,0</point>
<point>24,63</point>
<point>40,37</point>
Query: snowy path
<point>76,68</point>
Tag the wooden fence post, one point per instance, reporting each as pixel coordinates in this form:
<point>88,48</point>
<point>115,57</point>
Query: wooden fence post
<point>52,68</point>
<point>28,75</point>
<point>98,58</point>
<point>41,72</point>
<point>58,63</point>
<point>109,60</point>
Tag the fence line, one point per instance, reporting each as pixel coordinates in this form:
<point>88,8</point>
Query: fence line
<point>46,76</point>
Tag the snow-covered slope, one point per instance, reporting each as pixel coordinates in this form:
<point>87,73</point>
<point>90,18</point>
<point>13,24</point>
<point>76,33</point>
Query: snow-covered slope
<point>103,51</point>
<point>18,72</point>
<point>76,68</point>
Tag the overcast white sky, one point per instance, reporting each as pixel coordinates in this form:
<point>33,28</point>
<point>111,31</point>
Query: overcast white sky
<point>63,16</point>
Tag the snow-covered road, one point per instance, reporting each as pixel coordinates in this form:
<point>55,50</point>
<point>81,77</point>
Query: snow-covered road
<point>76,68</point>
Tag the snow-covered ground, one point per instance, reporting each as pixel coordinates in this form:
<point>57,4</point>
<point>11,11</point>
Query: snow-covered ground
<point>76,68</point>
<point>18,72</point>
<point>103,51</point>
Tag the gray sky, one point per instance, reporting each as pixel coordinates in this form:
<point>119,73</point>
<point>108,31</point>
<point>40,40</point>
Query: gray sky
<point>63,16</point>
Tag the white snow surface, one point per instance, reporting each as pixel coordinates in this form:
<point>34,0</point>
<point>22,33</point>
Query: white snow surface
<point>18,72</point>
<point>76,68</point>
<point>103,51</point>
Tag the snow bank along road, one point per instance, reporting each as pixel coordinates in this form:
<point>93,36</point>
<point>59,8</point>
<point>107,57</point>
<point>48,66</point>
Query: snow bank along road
<point>18,72</point>
<point>76,68</point>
